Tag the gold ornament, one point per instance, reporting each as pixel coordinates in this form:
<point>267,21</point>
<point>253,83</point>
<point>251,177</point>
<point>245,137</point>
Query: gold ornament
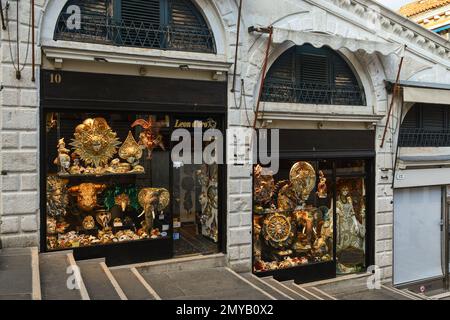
<point>103,218</point>
<point>122,200</point>
<point>86,194</point>
<point>279,230</point>
<point>264,186</point>
<point>152,200</point>
<point>95,142</point>
<point>57,197</point>
<point>303,179</point>
<point>130,150</point>
<point>150,137</point>
<point>88,223</point>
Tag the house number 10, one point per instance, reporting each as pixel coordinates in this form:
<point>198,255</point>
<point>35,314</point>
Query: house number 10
<point>55,78</point>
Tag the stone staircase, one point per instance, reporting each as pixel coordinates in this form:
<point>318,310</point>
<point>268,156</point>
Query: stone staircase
<point>26,275</point>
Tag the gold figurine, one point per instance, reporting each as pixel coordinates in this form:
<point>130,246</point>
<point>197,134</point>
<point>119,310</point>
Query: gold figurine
<point>95,142</point>
<point>86,194</point>
<point>150,138</point>
<point>152,200</point>
<point>322,192</point>
<point>63,158</point>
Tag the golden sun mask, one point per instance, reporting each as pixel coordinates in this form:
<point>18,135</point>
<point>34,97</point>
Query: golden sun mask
<point>95,142</point>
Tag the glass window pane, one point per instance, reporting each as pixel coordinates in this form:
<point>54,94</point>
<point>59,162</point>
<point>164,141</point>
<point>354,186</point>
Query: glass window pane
<point>107,178</point>
<point>351,224</point>
<point>293,215</point>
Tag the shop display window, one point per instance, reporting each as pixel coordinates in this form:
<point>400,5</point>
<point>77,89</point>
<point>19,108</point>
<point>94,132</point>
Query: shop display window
<point>107,178</point>
<point>310,212</point>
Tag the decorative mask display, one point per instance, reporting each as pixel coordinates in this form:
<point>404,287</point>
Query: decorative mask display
<point>122,200</point>
<point>150,138</point>
<point>130,150</point>
<point>303,179</point>
<point>209,199</point>
<point>86,194</point>
<point>350,209</point>
<point>123,197</point>
<point>57,197</point>
<point>51,225</point>
<point>264,185</point>
<point>289,232</point>
<point>103,218</point>
<point>95,142</point>
<point>152,200</point>
<point>63,159</point>
<point>278,230</point>
<point>88,223</point>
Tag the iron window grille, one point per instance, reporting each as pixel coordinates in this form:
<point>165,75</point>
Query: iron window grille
<point>171,33</point>
<point>305,74</point>
<point>312,93</point>
<point>424,138</point>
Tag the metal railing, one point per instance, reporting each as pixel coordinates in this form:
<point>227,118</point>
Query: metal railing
<point>424,138</point>
<point>107,30</point>
<point>313,93</point>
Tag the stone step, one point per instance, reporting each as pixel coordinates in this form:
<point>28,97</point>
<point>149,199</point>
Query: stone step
<point>132,284</point>
<point>99,281</point>
<point>19,274</point>
<point>292,294</point>
<point>192,263</point>
<point>59,277</point>
<point>305,293</point>
<point>268,288</point>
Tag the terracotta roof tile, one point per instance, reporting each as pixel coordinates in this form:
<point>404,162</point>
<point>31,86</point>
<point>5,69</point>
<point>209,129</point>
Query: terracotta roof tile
<point>420,6</point>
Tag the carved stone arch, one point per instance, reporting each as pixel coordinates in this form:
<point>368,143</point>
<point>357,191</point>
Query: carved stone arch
<point>216,14</point>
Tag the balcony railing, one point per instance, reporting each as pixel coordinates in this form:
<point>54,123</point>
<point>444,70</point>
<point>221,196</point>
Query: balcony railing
<point>313,93</point>
<point>106,30</point>
<point>424,138</point>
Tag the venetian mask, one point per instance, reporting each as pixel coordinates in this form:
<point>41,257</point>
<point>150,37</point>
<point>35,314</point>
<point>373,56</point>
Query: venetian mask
<point>51,225</point>
<point>130,150</point>
<point>122,200</point>
<point>150,138</point>
<point>264,186</point>
<point>103,218</point>
<point>86,194</point>
<point>152,200</point>
<point>95,142</point>
<point>88,223</point>
<point>57,196</point>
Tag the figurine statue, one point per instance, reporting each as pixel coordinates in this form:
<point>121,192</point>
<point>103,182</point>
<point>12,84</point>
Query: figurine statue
<point>152,200</point>
<point>63,158</point>
<point>322,192</point>
<point>150,138</point>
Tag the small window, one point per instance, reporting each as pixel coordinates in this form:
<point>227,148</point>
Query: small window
<point>158,24</point>
<point>426,125</point>
<point>306,74</point>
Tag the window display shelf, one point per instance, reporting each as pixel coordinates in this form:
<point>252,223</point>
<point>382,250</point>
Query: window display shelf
<point>93,175</point>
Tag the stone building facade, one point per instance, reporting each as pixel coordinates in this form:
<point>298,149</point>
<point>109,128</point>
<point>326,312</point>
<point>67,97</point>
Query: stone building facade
<point>368,35</point>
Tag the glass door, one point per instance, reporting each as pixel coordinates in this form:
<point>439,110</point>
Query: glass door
<point>195,179</point>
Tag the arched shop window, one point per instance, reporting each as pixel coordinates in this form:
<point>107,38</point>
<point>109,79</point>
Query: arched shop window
<point>157,24</point>
<point>305,74</point>
<point>426,125</point>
